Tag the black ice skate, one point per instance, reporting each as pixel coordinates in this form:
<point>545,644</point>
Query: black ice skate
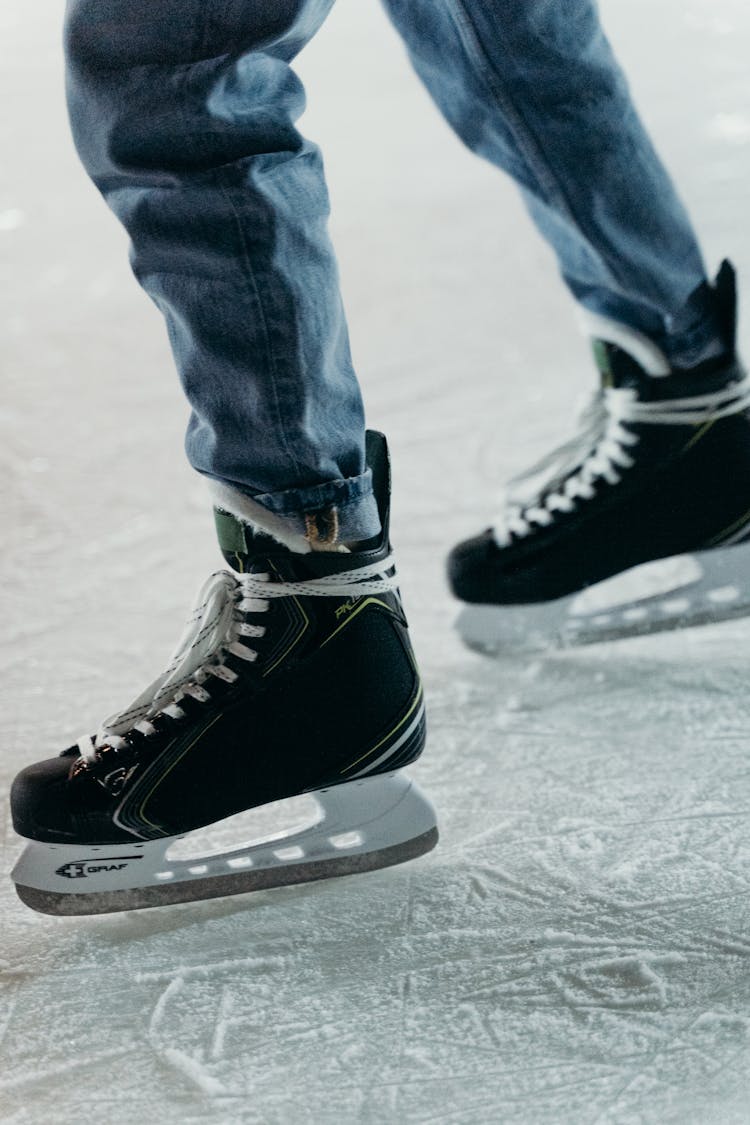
<point>295,675</point>
<point>659,471</point>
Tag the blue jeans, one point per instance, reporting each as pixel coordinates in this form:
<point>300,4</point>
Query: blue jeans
<point>183,113</point>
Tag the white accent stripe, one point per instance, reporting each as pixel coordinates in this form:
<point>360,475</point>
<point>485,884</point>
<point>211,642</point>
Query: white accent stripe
<point>396,746</point>
<point>738,536</point>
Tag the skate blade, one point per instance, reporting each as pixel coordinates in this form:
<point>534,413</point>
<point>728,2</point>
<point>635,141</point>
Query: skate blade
<point>364,825</point>
<point>686,590</point>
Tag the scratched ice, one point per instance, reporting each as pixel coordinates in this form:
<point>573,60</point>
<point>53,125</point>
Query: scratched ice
<point>578,948</point>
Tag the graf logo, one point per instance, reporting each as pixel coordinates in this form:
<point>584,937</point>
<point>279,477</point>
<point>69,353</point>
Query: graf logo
<point>80,868</point>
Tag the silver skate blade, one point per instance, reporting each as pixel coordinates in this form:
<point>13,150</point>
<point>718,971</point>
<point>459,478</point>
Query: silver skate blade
<point>675,593</point>
<point>364,825</point>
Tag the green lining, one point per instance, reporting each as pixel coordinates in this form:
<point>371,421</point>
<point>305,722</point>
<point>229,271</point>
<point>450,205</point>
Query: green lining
<point>601,359</point>
<point>230,533</point>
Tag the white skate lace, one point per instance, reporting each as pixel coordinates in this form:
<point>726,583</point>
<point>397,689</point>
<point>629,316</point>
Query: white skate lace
<point>599,451</point>
<point>214,630</point>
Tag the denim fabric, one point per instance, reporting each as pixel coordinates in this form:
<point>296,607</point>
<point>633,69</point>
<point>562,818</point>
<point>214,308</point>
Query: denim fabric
<point>184,115</point>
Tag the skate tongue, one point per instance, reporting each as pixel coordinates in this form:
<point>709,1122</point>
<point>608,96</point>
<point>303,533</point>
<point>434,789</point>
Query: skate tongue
<point>617,368</point>
<point>620,369</point>
<point>627,359</point>
<point>250,550</point>
<point>245,550</point>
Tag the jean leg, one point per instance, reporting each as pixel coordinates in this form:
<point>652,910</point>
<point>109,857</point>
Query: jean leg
<point>533,86</point>
<point>183,113</point>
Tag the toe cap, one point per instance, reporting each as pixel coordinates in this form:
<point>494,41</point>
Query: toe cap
<point>39,801</point>
<point>473,569</point>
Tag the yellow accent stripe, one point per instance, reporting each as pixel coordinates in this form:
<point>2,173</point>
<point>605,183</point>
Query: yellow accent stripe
<point>369,753</point>
<point>159,780</point>
<point>701,431</point>
<point>353,614</point>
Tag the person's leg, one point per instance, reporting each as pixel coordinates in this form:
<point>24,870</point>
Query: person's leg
<point>183,114</point>
<point>532,86</point>
<point>295,673</point>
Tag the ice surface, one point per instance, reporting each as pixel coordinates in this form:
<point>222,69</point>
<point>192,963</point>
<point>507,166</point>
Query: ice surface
<point>578,948</point>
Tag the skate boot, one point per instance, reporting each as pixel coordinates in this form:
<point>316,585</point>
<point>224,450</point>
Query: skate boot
<point>295,675</point>
<point>660,470</point>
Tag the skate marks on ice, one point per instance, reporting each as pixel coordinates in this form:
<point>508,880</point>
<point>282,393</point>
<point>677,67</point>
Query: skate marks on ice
<point>618,861</point>
<point>236,1010</point>
<point>576,948</point>
<point>522,972</point>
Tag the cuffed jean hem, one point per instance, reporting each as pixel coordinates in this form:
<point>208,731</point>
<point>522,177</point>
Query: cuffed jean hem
<point>357,518</point>
<point>691,337</point>
<point>285,515</point>
<point>297,502</point>
<point>693,348</point>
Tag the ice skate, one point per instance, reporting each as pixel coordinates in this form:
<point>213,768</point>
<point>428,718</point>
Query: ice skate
<point>295,675</point>
<point>639,524</point>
